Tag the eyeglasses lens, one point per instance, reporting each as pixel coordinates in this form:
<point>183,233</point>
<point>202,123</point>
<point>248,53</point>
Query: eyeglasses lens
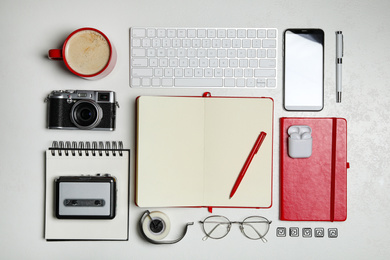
<point>255,227</point>
<point>216,226</point>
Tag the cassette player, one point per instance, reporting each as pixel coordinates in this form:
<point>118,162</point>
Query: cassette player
<point>85,197</point>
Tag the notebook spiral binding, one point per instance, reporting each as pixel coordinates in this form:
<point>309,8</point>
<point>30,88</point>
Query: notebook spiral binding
<point>88,148</point>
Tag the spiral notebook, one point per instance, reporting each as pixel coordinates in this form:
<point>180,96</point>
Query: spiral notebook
<point>88,158</point>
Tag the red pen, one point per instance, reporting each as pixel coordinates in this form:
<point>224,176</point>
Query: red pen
<point>248,161</point>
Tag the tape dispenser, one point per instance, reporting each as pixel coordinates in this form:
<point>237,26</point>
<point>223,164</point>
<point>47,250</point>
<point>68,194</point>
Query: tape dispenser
<point>155,226</point>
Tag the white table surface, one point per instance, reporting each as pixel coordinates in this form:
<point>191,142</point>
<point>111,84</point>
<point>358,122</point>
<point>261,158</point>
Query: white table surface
<point>30,28</point>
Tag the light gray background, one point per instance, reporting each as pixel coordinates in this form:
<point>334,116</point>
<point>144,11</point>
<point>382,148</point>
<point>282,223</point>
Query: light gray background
<point>30,28</point>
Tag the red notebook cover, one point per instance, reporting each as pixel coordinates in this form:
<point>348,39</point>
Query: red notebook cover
<point>315,188</point>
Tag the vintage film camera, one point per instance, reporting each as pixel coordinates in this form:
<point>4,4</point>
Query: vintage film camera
<point>85,197</point>
<point>81,109</point>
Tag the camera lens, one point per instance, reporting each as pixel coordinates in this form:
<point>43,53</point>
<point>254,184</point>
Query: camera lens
<point>86,114</point>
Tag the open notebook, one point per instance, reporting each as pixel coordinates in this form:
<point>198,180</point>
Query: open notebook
<point>190,151</point>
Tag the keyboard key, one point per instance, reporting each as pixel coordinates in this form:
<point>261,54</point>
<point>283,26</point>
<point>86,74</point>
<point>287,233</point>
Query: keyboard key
<point>173,62</point>
<point>171,33</point>
<point>153,62</point>
<point>178,72</point>
<point>196,43</point>
<point>146,82</point>
<point>136,82</point>
<point>253,63</point>
<point>167,82</point>
<point>140,62</point>
<point>191,33</point>
<point>256,43</point>
<point>139,52</point>
<point>246,43</point>
<point>226,43</point>
<point>136,42</point>
<point>240,82</point>
<point>250,82</point>
<point>181,33</point>
<point>265,73</point>
<point>138,32</point>
<point>142,72</point>
<point>188,72</point>
<point>151,52</point>
<point>267,63</point>
<point>261,33</point>
<point>243,63</point>
<point>261,53</point>
<point>248,72</point>
<point>271,33</point>
<point>269,43</point>
<point>158,72</point>
<point>271,83</point>
<point>195,82</point>
<point>234,63</point>
<point>168,72</point>
<point>271,53</point>
<point>202,33</point>
<point>241,33</point>
<point>236,43</point>
<point>238,73</point>
<point>155,82</point>
<point>198,72</point>
<point>221,33</point>
<point>161,33</point>
<point>231,33</point>
<point>208,72</point>
<point>211,33</point>
<point>229,82</point>
<point>151,33</point>
<point>156,42</point>
<point>251,33</point>
<point>229,73</point>
<point>218,72</point>
<point>260,83</point>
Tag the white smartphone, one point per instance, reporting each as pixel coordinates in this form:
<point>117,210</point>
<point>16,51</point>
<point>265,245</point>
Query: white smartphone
<point>303,69</point>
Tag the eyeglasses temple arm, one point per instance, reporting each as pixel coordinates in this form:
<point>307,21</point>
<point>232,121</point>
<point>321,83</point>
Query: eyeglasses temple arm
<point>208,234</point>
<point>261,236</point>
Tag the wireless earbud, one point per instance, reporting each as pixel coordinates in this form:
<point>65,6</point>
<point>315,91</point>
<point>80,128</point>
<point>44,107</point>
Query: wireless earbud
<point>295,136</point>
<point>306,136</point>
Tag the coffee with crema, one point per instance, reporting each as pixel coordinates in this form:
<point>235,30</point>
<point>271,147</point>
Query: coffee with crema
<point>87,52</point>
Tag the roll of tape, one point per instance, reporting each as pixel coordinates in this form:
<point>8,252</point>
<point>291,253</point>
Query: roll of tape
<point>156,225</point>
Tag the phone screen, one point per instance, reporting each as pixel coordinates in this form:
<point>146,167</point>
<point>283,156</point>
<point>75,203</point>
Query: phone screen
<point>304,69</point>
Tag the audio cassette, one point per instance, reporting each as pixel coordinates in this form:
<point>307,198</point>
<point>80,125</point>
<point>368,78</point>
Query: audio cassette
<point>85,197</point>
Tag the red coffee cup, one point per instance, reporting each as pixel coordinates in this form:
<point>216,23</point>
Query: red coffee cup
<point>87,53</point>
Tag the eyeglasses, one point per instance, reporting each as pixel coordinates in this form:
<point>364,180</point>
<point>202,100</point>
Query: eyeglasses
<point>253,227</point>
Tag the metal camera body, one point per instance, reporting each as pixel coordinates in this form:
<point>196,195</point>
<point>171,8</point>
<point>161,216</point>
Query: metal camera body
<point>82,109</point>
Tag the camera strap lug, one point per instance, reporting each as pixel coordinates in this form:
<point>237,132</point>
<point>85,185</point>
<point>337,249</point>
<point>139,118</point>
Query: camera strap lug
<point>117,104</point>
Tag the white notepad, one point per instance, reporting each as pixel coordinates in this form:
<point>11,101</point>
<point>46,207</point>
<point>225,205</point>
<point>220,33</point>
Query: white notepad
<point>190,151</point>
<point>76,162</point>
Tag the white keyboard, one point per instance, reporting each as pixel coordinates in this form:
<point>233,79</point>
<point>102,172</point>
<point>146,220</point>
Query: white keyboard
<point>203,57</point>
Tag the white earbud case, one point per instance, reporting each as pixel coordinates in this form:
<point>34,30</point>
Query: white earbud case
<point>300,141</point>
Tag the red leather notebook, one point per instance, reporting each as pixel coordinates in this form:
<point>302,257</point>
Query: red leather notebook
<point>315,188</point>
